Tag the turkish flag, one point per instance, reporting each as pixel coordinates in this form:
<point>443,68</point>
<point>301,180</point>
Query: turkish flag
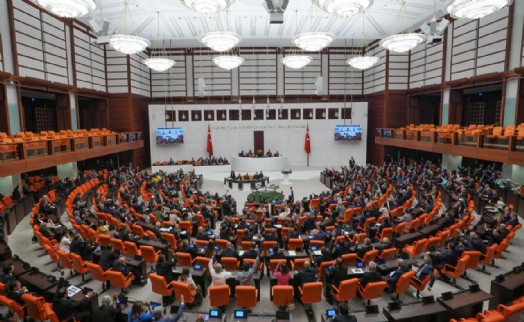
<point>307,143</point>
<point>209,142</point>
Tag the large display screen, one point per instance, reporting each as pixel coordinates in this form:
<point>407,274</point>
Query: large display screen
<point>173,135</point>
<point>348,133</point>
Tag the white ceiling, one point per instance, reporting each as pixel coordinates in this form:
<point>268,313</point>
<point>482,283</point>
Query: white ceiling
<point>182,26</point>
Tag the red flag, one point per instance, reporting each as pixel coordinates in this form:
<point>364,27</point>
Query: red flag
<point>209,142</point>
<point>307,144</point>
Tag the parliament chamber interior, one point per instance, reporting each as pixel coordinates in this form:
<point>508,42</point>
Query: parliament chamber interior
<point>261,160</point>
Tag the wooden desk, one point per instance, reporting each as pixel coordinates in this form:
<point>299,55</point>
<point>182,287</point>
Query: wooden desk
<point>199,276</point>
<point>508,290</point>
<point>361,317</point>
<point>404,239</point>
<point>18,266</point>
<point>38,283</point>
<point>390,266</point>
<point>464,305</point>
<point>261,317</point>
<point>414,313</point>
<point>232,282</point>
<point>158,245</point>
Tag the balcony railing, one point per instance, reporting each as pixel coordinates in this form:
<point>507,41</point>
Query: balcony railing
<point>479,145</point>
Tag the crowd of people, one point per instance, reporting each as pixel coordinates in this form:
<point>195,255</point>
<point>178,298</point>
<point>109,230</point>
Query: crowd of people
<point>259,154</point>
<point>138,195</point>
<point>201,161</point>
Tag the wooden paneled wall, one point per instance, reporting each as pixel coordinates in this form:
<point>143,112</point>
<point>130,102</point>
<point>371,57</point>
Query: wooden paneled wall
<point>2,68</point>
<point>89,60</point>
<point>375,77</point>
<point>376,119</point>
<point>343,79</point>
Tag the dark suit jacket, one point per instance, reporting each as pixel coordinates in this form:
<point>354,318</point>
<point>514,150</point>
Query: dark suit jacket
<point>230,252</point>
<point>362,250</point>
<point>66,307</point>
<point>106,259</point>
<point>105,313</point>
<point>17,296</point>
<point>307,275</point>
<point>369,277</point>
<point>202,236</point>
<point>337,274</point>
<point>166,269</point>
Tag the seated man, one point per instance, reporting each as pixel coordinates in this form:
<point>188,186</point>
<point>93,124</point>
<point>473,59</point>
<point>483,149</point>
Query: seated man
<point>120,265</point>
<point>308,274</point>
<point>371,276</point>
<point>66,308</point>
<point>201,234</point>
<point>425,270</point>
<point>395,275</point>
<point>362,249</point>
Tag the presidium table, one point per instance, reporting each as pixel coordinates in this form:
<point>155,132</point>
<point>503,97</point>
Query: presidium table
<point>250,165</point>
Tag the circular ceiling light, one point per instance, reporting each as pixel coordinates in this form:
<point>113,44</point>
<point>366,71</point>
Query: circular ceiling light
<point>296,61</point>
<point>313,41</point>
<point>344,8</point>
<point>159,64</point>
<point>68,8</point>
<point>228,62</point>
<point>128,44</point>
<point>208,7</point>
<point>362,62</point>
<point>474,9</point>
<point>220,40</point>
<point>401,43</point>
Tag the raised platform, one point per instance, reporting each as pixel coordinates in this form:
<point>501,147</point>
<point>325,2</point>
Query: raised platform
<point>240,164</point>
<point>240,185</point>
<point>172,168</point>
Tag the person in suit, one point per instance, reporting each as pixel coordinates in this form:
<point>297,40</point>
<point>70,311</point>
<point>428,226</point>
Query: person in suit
<point>425,270</point>
<point>395,275</point>
<point>7,276</point>
<point>185,248</point>
<point>475,243</point>
<point>15,290</point>
<point>165,268</point>
<point>362,249</point>
<point>371,276</point>
<point>341,247</point>
<point>334,276</point>
<point>325,255</point>
<point>230,251</point>
<point>448,257</point>
<point>107,312</point>
<point>201,234</point>
<point>119,265</point>
<point>66,308</point>
<point>107,257</point>
<point>252,253</point>
<point>308,274</point>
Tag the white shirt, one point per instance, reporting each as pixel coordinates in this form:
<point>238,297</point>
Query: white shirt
<point>65,243</point>
<point>218,278</point>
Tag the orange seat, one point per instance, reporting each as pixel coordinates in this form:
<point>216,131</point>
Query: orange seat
<point>403,283</point>
<point>456,271</point>
<point>65,260</point>
<point>230,263</point>
<point>186,225</point>
<point>131,249</point>
<point>369,256</point>
<point>149,254</point>
<point>416,248</point>
<point>349,259</point>
<point>78,265</point>
<point>282,294</point>
<point>266,245</point>
<point>118,245</point>
<point>386,232</point>
<point>298,263</point>
<point>323,267</point>
<point>13,306</point>
<point>399,228</point>
<point>346,290</point>
<point>388,254</point>
<point>294,243</point>
<point>117,279</point>
<point>246,296</point>
<point>221,243</point>
<point>219,295</point>
<point>138,230</point>
<point>418,284</point>
<point>171,239</point>
<point>474,258</point>
<point>311,292</point>
<point>97,273</point>
<point>359,238</point>
<point>372,290</point>
<point>36,307</point>
<point>489,256</point>
<point>184,259</point>
<point>104,240</point>
<point>181,288</point>
<point>160,286</point>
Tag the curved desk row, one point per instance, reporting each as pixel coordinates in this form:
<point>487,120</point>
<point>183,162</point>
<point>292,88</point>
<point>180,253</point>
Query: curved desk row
<point>240,164</point>
<point>240,185</point>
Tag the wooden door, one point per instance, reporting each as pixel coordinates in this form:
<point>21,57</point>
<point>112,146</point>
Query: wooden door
<point>258,142</point>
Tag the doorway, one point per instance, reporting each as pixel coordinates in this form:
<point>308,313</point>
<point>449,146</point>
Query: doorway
<point>258,142</point>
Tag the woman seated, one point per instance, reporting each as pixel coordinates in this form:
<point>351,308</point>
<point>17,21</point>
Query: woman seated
<point>140,312</point>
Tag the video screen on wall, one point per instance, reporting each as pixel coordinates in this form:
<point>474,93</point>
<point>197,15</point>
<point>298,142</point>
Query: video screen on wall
<point>348,133</point>
<point>173,135</point>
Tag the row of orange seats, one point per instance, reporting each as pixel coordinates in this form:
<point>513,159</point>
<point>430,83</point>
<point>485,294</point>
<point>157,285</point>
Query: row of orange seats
<point>50,135</point>
<point>500,314</point>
